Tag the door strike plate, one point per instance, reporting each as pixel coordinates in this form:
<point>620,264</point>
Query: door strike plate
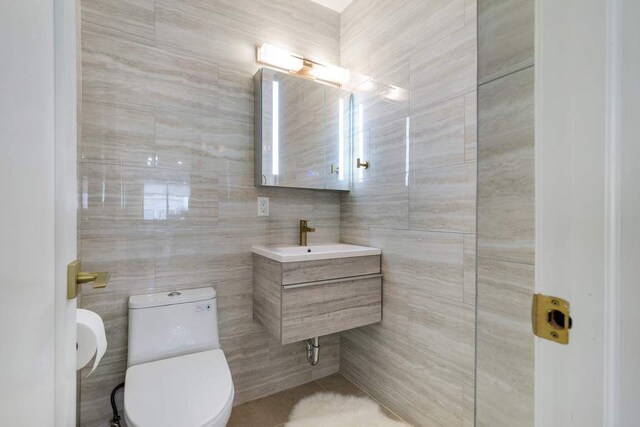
<point>550,318</point>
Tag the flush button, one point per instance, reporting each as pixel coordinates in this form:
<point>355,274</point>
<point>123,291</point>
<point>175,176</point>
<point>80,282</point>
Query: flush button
<point>174,294</point>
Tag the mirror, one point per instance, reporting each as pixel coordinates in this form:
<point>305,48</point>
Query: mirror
<point>302,136</point>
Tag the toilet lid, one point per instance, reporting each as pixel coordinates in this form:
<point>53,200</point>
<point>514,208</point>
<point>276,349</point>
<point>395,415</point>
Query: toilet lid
<point>189,391</point>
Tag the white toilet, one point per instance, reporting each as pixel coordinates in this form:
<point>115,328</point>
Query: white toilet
<point>177,374</point>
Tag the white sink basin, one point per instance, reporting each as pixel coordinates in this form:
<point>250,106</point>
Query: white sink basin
<point>313,252</point>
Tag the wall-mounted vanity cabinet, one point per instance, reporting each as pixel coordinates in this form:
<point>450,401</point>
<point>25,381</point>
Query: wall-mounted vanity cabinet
<point>302,133</point>
<point>298,296</point>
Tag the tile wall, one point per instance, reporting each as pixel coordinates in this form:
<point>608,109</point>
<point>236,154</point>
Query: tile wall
<point>417,202</point>
<point>167,196</point>
<point>505,344</point>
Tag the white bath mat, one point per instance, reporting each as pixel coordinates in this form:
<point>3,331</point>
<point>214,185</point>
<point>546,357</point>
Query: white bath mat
<point>335,410</point>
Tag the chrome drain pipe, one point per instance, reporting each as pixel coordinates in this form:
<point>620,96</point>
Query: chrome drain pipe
<point>313,350</point>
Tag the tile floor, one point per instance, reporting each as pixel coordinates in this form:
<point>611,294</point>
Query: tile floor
<point>273,411</point>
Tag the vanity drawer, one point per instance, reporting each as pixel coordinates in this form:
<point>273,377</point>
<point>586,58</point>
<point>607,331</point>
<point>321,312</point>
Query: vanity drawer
<point>327,269</point>
<point>324,307</point>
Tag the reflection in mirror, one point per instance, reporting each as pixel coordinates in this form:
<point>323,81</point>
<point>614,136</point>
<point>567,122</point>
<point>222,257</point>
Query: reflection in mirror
<point>302,133</point>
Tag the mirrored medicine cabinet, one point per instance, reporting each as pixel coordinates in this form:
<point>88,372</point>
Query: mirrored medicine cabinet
<point>302,133</point>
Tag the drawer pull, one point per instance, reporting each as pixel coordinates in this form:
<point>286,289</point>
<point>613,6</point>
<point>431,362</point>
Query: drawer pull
<point>328,282</point>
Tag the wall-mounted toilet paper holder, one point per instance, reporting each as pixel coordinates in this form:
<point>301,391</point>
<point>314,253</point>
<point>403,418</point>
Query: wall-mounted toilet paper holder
<point>76,277</point>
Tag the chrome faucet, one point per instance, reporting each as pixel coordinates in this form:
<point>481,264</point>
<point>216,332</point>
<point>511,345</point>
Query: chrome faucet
<point>304,229</point>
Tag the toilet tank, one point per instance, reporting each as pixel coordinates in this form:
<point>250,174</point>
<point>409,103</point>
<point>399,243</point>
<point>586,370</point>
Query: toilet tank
<point>168,324</point>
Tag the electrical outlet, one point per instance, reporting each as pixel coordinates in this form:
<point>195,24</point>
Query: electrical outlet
<point>263,206</point>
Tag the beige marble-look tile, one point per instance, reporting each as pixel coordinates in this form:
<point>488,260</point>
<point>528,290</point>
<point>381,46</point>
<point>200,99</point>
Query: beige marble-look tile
<point>420,387</point>
<point>128,257</point>
<point>443,199</point>
<point>395,303</point>
<point>470,269</point>
<point>506,168</point>
<point>355,236</point>
<point>505,37</point>
<point>117,133</point>
<point>443,326</point>
<point>387,149</point>
<point>202,143</point>
<point>505,356</point>
<point>438,135</point>
<point>127,72</point>
<point>444,69</point>
<point>469,398</point>
<point>94,404</point>
<point>416,383</point>
<point>260,366</point>
<point>388,99</point>
<point>470,127</point>
<point>132,20</point>
<point>377,202</point>
<point>228,30</point>
<point>355,357</point>
<point>195,27</point>
<point>426,261</point>
<point>149,195</point>
<point>414,25</point>
<point>471,12</point>
<point>177,78</point>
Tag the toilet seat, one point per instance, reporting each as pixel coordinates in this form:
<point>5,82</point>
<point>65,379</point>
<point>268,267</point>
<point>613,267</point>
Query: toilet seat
<point>193,390</point>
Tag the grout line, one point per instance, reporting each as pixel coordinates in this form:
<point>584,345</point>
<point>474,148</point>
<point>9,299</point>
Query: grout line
<point>503,260</point>
<point>505,75</point>
<point>384,406</point>
<point>320,385</point>
<point>370,396</point>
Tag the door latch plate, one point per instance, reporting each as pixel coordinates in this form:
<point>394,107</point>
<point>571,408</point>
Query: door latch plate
<point>550,318</point>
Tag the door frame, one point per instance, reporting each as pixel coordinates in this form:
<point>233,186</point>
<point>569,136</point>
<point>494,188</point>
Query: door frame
<point>66,84</point>
<point>578,192</point>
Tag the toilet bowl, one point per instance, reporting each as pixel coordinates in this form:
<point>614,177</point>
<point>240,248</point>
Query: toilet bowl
<point>177,374</point>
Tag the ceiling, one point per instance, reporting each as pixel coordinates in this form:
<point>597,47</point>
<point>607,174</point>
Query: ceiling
<point>337,5</point>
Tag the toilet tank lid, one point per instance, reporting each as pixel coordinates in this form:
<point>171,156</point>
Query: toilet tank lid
<point>172,297</point>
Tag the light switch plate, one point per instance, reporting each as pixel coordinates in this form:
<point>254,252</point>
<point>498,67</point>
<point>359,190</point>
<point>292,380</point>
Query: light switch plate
<point>263,206</point>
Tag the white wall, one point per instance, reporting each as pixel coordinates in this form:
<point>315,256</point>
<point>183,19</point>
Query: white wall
<point>27,309</point>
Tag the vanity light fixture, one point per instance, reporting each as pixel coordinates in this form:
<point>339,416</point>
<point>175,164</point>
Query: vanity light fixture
<point>284,60</point>
<point>329,73</point>
<point>279,58</point>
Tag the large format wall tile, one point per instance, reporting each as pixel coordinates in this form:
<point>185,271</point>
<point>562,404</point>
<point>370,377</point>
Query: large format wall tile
<point>167,199</point>
<point>415,24</point>
<point>506,214</point>
<point>419,120</point>
<point>377,202</point>
<point>505,343</point>
<point>505,168</point>
<point>119,133</point>
<point>132,20</point>
<point>505,38</point>
<point>470,126</point>
<point>121,71</point>
<point>443,326</point>
<point>444,199</point>
<point>422,261</point>
<point>444,69</point>
<point>438,135</point>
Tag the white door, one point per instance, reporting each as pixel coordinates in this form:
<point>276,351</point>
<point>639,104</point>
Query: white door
<point>38,214</point>
<point>588,209</point>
